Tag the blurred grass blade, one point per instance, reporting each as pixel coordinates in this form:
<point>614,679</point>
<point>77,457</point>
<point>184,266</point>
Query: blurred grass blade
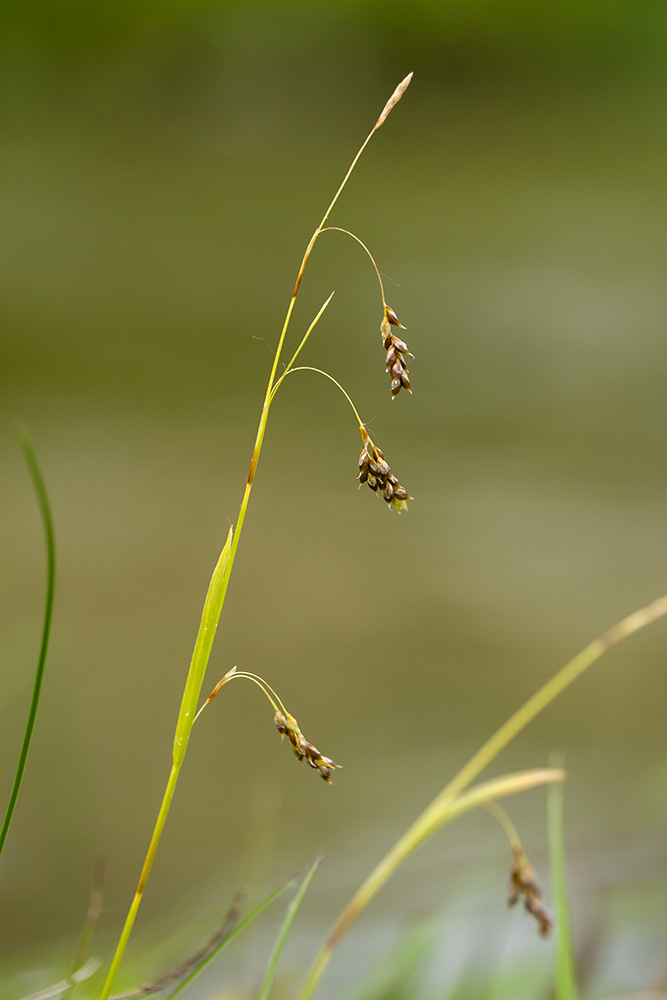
<point>30,456</point>
<point>89,925</point>
<point>285,929</point>
<point>240,927</point>
<point>564,974</point>
<point>59,990</point>
<point>440,812</point>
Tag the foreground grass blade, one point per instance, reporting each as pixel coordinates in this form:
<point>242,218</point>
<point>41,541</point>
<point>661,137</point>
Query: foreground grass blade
<point>285,929</point>
<point>240,927</point>
<point>564,974</point>
<point>47,521</point>
<point>89,925</point>
<point>438,814</point>
<point>451,793</point>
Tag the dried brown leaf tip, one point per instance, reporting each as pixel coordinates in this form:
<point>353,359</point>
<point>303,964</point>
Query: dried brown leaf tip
<point>524,884</point>
<point>396,351</point>
<point>374,470</point>
<point>287,726</point>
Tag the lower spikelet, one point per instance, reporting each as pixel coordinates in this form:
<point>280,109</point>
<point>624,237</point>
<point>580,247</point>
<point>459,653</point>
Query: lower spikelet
<point>523,883</point>
<point>375,471</point>
<point>287,726</point>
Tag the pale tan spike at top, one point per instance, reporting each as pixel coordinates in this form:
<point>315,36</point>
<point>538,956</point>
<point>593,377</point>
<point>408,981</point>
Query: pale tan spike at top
<point>393,100</point>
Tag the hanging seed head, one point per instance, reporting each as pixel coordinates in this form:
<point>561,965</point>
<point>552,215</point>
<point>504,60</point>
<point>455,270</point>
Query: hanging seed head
<point>396,350</point>
<point>287,726</point>
<point>523,883</point>
<point>374,470</point>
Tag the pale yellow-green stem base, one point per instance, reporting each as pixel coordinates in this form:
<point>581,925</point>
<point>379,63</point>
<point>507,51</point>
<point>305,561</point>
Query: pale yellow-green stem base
<point>143,878</point>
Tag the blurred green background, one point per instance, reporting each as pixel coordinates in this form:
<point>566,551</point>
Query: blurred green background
<point>165,165</point>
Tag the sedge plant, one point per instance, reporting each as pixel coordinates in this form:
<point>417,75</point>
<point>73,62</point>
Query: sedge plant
<point>458,797</point>
<point>373,470</point>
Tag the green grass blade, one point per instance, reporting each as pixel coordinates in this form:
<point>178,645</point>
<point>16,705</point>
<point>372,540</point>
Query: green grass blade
<point>39,486</point>
<point>240,927</point>
<point>564,974</point>
<point>285,929</point>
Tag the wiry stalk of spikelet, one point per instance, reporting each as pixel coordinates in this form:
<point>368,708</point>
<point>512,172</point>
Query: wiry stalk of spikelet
<point>286,724</point>
<point>396,350</point>
<point>375,471</point>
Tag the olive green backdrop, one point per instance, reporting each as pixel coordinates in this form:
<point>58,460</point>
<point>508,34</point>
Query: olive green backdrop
<point>165,165</point>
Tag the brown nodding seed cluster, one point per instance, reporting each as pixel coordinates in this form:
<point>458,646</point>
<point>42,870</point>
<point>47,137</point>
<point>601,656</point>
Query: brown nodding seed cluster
<point>374,470</point>
<point>396,349</point>
<point>287,726</point>
<point>523,882</point>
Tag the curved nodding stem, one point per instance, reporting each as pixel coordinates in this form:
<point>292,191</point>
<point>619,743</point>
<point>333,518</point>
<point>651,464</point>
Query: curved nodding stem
<point>337,229</point>
<point>506,823</point>
<point>320,371</point>
<point>266,688</point>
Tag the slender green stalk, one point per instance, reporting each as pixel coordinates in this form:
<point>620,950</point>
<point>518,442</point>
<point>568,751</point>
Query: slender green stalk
<point>451,795</point>
<point>39,486</point>
<point>218,587</point>
<point>285,929</point>
<point>564,974</point>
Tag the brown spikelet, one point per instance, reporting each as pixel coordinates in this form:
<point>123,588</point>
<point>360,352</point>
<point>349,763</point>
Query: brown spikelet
<point>396,349</point>
<point>393,100</point>
<point>374,470</point>
<point>287,726</point>
<point>523,883</point>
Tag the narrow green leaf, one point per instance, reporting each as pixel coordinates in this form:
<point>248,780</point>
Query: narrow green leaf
<point>285,929</point>
<point>215,598</point>
<point>39,486</point>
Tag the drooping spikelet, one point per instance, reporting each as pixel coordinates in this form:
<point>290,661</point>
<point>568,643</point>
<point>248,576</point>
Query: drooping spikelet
<point>523,883</point>
<point>396,350</point>
<point>375,471</point>
<point>287,726</point>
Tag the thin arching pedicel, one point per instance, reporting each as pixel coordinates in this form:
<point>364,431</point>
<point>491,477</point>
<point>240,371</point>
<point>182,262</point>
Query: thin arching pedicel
<point>285,723</point>
<point>374,470</point>
<point>338,229</point>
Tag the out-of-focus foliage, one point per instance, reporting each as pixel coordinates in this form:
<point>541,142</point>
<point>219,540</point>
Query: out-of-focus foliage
<point>454,39</point>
